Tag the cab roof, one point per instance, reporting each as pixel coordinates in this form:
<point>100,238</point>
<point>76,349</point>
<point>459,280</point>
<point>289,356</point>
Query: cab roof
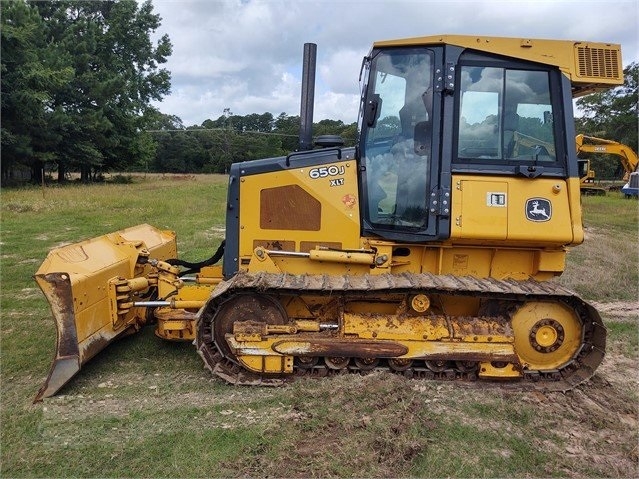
<point>590,66</point>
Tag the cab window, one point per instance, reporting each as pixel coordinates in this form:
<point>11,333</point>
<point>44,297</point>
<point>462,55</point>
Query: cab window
<point>505,115</point>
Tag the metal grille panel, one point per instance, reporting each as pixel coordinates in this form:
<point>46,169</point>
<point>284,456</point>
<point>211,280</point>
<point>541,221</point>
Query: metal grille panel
<point>598,62</point>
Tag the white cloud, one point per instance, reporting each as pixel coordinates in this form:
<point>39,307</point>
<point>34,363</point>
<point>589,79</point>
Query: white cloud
<point>340,71</point>
<point>246,55</point>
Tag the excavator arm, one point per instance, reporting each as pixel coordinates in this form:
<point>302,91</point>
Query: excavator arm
<point>592,144</point>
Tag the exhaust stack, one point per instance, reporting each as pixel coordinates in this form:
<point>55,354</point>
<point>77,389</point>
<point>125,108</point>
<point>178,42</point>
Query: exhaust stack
<point>308,96</point>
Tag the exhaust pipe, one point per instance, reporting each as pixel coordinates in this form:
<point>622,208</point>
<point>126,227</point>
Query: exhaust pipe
<point>308,96</point>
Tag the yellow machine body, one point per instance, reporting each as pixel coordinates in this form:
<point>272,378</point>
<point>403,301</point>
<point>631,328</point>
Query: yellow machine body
<point>78,280</point>
<point>590,66</point>
<point>486,240</point>
<point>426,250</point>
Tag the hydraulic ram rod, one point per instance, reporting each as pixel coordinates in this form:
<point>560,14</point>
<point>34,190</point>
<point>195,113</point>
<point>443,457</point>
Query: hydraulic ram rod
<point>170,304</point>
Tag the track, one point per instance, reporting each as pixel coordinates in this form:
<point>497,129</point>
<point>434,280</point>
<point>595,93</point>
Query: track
<point>219,359</point>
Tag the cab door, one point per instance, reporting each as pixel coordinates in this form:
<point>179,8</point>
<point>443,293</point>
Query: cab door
<point>400,146</point>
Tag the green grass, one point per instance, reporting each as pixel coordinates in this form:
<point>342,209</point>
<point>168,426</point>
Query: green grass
<point>605,266</point>
<point>625,335</point>
<point>148,408</point>
<point>610,213</point>
<point>492,454</point>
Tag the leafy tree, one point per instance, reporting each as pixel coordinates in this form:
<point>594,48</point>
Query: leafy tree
<point>157,120</point>
<point>263,122</point>
<point>289,127</point>
<point>31,73</point>
<point>612,115</point>
<point>337,127</point>
<point>93,115</point>
<point>349,134</point>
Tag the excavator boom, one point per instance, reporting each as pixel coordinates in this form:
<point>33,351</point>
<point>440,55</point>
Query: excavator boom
<point>592,144</point>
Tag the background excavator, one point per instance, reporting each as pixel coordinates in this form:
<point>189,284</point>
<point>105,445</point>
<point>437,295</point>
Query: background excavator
<point>426,250</point>
<point>593,145</point>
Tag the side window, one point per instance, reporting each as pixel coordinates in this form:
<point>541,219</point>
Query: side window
<point>505,115</point>
<point>482,91</point>
<point>528,102</point>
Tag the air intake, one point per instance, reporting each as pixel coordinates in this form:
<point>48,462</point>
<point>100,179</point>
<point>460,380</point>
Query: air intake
<point>598,63</point>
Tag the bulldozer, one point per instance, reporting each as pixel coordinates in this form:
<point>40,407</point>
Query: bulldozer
<point>591,144</point>
<point>428,249</point>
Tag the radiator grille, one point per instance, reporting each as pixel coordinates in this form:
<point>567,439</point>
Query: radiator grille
<point>598,62</point>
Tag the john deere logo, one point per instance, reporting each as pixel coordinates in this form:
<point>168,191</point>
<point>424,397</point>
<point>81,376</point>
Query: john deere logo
<point>538,209</point>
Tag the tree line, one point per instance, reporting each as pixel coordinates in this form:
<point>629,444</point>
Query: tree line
<point>612,114</point>
<point>78,79</point>
<point>212,146</point>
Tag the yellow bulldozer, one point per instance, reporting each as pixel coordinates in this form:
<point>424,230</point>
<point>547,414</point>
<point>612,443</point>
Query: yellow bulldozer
<point>593,145</point>
<point>427,249</point>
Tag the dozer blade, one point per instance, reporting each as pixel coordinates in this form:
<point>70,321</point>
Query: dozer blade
<point>75,280</point>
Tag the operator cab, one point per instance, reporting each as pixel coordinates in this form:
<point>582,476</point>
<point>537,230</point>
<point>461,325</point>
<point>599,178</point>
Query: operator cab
<point>432,111</point>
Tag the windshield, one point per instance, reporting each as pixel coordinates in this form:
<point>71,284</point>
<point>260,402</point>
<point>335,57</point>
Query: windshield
<point>397,130</point>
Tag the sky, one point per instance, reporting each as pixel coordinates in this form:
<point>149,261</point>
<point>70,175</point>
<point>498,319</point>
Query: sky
<point>246,55</point>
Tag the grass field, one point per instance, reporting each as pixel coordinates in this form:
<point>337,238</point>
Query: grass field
<point>146,408</point>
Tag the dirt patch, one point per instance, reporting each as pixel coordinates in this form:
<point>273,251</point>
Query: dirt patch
<point>345,425</point>
<point>29,261</point>
<point>383,424</point>
<point>597,425</point>
<point>215,232</point>
<point>618,309</point>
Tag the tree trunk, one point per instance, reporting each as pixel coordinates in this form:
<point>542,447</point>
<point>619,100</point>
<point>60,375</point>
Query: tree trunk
<point>36,173</point>
<point>61,172</point>
<point>6,172</point>
<point>85,174</point>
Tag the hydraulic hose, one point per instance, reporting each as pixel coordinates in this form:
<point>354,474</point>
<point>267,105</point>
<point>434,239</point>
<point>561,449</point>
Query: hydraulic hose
<point>196,267</point>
